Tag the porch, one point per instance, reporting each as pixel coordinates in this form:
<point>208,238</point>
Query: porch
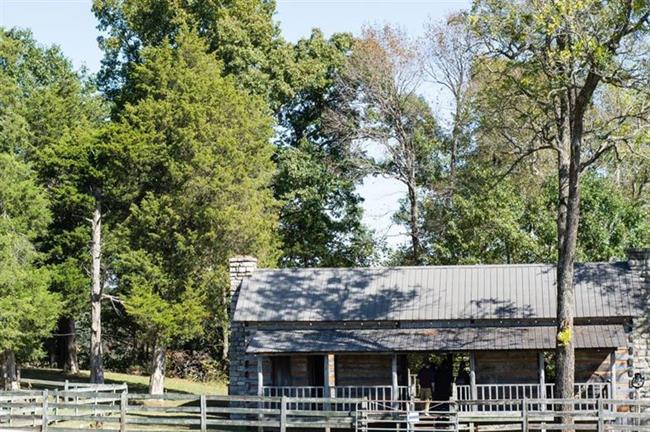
<point>489,376</point>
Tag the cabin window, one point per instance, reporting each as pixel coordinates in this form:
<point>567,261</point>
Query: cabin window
<point>281,370</point>
<point>316,370</point>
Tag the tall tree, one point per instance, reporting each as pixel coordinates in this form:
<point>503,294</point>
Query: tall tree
<point>379,85</point>
<point>49,109</point>
<point>550,62</point>
<point>318,169</point>
<point>448,54</point>
<point>28,311</point>
<point>241,33</point>
<point>200,153</point>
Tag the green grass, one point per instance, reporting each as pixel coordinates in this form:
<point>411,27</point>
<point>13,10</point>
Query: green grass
<point>136,383</point>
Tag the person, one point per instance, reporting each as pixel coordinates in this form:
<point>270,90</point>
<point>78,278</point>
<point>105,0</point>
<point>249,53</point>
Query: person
<point>427,379</point>
<point>463,376</point>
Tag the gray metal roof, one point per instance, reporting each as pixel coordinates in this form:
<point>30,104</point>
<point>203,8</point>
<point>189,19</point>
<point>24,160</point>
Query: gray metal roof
<point>433,293</point>
<point>438,339</point>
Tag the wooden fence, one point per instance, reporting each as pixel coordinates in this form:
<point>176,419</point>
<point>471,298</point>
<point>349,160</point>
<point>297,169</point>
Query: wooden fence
<point>79,411</point>
<point>61,411</point>
<point>67,385</point>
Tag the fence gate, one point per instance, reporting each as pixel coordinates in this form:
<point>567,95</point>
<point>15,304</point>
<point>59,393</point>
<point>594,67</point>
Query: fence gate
<point>437,419</point>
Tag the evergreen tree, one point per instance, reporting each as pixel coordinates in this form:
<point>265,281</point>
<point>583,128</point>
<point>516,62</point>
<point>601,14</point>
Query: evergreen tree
<point>28,311</point>
<point>48,115</point>
<point>241,33</point>
<point>199,151</point>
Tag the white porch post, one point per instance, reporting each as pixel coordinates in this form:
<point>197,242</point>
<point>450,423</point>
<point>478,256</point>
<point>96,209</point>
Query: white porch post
<point>329,378</point>
<point>612,375</point>
<point>395,388</point>
<point>472,377</point>
<point>542,375</point>
<point>260,376</point>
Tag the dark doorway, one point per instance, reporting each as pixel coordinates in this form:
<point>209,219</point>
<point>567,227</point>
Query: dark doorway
<point>316,370</point>
<point>281,370</point>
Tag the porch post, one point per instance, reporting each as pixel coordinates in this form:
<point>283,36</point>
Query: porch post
<point>472,377</point>
<point>329,378</point>
<point>612,375</point>
<point>260,376</point>
<point>542,375</point>
<point>395,388</point>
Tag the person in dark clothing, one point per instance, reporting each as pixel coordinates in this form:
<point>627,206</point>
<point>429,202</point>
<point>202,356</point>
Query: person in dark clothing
<point>463,376</point>
<point>444,379</point>
<point>427,379</point>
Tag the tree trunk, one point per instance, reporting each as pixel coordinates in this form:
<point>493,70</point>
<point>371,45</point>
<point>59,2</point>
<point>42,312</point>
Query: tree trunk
<point>71,363</point>
<point>96,366</point>
<point>10,376</point>
<point>157,378</point>
<point>568,220</point>
<point>415,232</point>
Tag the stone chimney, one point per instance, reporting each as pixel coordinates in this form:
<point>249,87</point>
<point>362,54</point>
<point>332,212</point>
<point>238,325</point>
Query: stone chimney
<point>639,259</point>
<point>241,267</point>
<point>234,345</point>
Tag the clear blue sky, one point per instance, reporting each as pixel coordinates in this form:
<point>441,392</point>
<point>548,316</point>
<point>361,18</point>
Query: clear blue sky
<point>71,25</point>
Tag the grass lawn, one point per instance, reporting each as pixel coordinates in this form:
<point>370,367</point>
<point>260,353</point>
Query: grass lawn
<point>136,383</point>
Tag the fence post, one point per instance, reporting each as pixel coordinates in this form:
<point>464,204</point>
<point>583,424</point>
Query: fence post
<point>524,414</point>
<point>66,388</point>
<point>44,413</point>
<point>56,402</point>
<point>204,414</point>
<point>283,414</point>
<point>124,402</point>
<point>601,416</point>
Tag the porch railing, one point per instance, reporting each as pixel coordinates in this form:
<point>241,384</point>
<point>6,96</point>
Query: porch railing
<point>516,392</point>
<point>381,393</point>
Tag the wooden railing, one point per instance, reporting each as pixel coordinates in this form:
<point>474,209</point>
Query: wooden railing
<point>340,392</point>
<point>67,385</point>
<point>515,392</point>
<point>43,411</point>
<point>532,415</point>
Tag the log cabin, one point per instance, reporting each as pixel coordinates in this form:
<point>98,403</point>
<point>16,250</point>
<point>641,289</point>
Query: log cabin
<point>359,332</point>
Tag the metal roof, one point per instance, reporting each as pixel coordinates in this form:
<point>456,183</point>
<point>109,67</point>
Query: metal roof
<point>525,291</point>
<point>438,339</point>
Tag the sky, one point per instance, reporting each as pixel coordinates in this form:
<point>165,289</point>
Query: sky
<point>71,25</point>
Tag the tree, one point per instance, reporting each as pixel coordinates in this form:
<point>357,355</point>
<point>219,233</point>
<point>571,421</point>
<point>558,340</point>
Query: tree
<point>49,111</point>
<point>318,170</point>
<point>241,34</point>
<point>379,86</point>
<point>28,311</point>
<point>199,153</point>
<point>550,63</point>
<point>449,51</point>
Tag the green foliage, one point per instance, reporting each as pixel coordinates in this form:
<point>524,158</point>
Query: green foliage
<point>199,154</point>
<point>320,217</point>
<point>28,311</point>
<point>241,33</point>
<point>513,220</point>
<point>49,112</point>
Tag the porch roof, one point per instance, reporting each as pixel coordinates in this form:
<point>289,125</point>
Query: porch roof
<point>430,339</point>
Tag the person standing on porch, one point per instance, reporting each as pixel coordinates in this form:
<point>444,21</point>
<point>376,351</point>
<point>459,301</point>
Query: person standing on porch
<point>427,379</point>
